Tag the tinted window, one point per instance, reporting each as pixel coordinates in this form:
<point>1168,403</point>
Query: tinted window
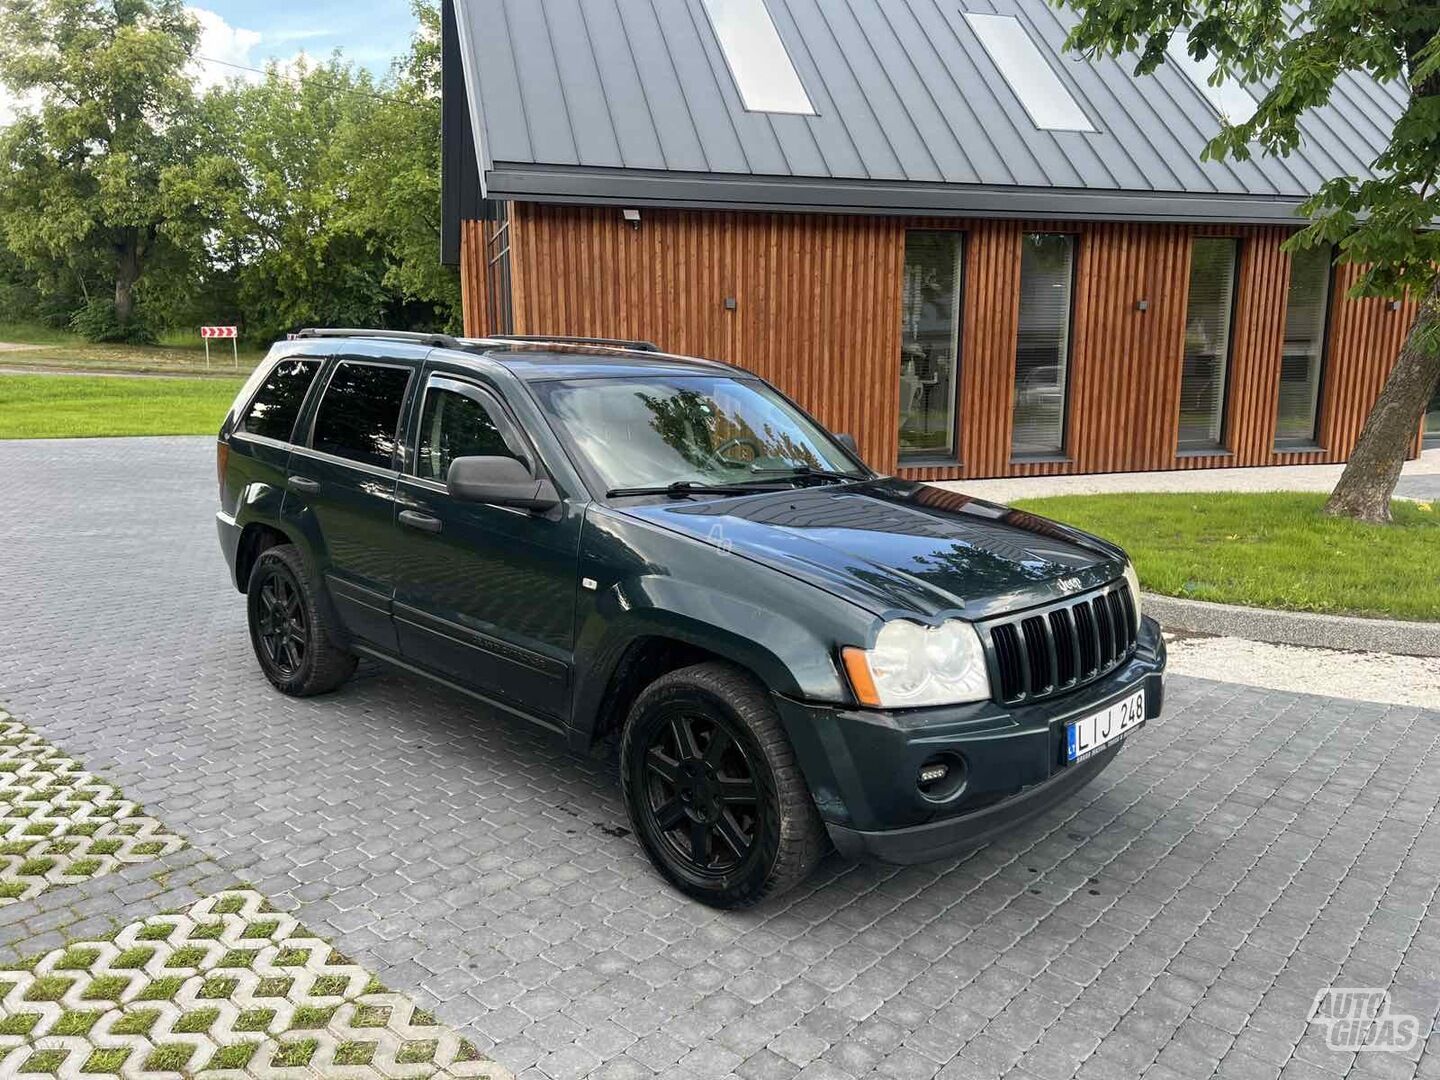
<point>453,426</point>
<point>360,413</point>
<point>277,406</point>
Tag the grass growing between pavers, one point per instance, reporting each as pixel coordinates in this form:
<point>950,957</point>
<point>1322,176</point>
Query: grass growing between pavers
<point>81,406</point>
<point>1273,550</point>
<point>325,1014</point>
<point>61,825</point>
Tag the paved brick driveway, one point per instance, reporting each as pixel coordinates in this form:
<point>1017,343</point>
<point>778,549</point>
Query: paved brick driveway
<point>1177,919</point>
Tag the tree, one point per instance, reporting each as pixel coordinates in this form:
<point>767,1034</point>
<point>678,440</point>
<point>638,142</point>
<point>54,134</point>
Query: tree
<point>85,170</point>
<point>1383,223</point>
<point>323,207</point>
<point>395,190</point>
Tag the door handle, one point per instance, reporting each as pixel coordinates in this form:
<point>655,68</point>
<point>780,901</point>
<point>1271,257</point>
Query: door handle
<point>423,522</point>
<point>304,484</point>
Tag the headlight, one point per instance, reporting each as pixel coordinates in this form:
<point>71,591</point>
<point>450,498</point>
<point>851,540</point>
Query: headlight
<point>914,665</point>
<point>1133,580</point>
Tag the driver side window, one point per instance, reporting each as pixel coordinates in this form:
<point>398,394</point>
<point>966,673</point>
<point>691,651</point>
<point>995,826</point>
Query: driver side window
<point>457,425</point>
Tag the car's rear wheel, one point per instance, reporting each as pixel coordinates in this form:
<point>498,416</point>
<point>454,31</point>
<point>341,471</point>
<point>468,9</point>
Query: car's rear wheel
<point>713,789</point>
<point>289,628</point>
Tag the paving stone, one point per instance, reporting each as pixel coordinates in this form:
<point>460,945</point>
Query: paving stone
<point>1244,851</point>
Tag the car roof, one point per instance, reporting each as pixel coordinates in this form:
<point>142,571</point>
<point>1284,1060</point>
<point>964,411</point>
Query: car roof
<point>529,359</point>
<point>545,361</point>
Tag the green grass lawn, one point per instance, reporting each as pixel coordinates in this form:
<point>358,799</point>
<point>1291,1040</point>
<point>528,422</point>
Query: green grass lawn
<point>30,346</point>
<point>72,406</point>
<point>1268,550</point>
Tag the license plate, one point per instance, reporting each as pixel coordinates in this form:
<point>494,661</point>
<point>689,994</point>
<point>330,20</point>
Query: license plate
<point>1085,736</point>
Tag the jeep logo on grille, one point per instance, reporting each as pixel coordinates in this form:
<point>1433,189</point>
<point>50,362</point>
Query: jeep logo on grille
<point>1070,584</point>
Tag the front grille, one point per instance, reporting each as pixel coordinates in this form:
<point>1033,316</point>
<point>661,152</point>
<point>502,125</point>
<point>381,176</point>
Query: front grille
<point>1043,653</point>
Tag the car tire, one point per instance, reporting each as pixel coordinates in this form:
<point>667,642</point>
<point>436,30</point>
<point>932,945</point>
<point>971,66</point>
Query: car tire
<point>291,628</point>
<point>713,789</point>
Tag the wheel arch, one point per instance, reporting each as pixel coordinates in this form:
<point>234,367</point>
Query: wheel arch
<point>256,538</point>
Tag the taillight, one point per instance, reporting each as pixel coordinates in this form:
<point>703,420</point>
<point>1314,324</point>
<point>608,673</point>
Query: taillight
<point>222,459</point>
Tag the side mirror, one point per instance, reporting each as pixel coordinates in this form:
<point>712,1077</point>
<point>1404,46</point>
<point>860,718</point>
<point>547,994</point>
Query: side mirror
<point>502,481</point>
<point>849,443</point>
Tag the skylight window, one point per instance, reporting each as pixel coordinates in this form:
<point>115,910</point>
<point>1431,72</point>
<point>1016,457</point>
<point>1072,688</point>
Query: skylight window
<point>763,73</point>
<point>1031,78</point>
<point>1230,99</point>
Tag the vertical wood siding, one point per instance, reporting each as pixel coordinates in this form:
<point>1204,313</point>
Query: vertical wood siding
<point>817,311</point>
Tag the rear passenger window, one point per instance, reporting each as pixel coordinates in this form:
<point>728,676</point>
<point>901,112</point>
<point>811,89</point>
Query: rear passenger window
<point>456,425</point>
<point>277,406</point>
<point>360,413</point>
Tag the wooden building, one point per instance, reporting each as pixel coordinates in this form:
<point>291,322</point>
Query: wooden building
<point>925,221</point>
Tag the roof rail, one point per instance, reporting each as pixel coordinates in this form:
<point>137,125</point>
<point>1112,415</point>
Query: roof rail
<point>438,341</point>
<point>562,339</point>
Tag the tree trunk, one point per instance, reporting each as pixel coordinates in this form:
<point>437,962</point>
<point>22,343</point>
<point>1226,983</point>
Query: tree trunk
<point>127,273</point>
<point>1369,479</point>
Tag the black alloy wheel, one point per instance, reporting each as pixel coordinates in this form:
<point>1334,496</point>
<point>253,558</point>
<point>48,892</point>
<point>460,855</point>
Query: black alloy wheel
<point>701,798</point>
<point>294,636</point>
<point>714,793</point>
<point>283,631</point>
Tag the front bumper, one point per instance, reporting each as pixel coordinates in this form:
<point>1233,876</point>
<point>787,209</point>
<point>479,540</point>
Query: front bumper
<point>862,764</point>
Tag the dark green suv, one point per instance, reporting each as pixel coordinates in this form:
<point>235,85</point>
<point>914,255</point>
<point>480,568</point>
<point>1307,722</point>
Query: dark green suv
<point>611,542</point>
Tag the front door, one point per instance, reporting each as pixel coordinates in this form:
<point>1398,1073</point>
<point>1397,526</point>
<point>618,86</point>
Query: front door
<point>484,594</point>
<point>341,492</point>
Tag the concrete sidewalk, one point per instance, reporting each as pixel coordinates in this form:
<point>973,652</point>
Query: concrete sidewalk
<point>1420,480</point>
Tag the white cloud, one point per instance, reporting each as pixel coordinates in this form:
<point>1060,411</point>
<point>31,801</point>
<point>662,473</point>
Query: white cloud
<point>226,50</point>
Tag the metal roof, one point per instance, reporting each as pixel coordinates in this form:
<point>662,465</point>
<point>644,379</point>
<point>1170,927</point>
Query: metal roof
<point>631,102</point>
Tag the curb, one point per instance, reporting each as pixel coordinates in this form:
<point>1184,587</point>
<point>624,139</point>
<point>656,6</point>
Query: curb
<point>1295,627</point>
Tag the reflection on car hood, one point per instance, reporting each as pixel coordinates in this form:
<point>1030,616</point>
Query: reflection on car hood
<point>892,545</point>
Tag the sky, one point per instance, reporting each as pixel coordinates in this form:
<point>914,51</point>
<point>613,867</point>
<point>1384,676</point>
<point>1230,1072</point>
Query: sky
<point>247,33</point>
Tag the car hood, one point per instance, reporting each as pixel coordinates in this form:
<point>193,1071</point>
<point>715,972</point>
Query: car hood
<point>896,546</point>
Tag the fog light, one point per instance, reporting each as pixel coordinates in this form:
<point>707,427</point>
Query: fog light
<point>941,778</point>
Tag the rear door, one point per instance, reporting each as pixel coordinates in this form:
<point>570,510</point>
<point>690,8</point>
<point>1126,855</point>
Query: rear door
<point>341,490</point>
<point>260,441</point>
<point>484,594</point>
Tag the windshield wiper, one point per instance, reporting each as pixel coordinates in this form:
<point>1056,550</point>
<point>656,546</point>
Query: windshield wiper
<point>809,472</point>
<point>684,488</point>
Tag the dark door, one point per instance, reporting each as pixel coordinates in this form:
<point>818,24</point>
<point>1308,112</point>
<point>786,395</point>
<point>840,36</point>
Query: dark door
<point>483,594</point>
<point>260,442</point>
<point>342,492</point>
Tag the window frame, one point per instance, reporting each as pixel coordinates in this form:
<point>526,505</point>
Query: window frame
<point>243,413</point>
<point>1222,443</point>
<point>400,446</point>
<point>1292,446</point>
<point>1063,454</point>
<point>510,429</point>
<point>916,459</point>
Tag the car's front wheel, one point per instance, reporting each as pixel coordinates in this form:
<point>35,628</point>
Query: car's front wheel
<point>713,788</point>
<point>292,636</point>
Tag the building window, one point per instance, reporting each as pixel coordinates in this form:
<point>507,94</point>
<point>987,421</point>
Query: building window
<point>1231,100</point>
<point>499,312</point>
<point>762,69</point>
<point>1432,420</point>
<point>1303,361</point>
<point>1030,77</point>
<point>930,344</point>
<point>1042,357</point>
<point>1206,372</point>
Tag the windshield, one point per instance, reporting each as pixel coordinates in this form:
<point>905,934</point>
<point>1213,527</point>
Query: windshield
<point>712,430</point>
